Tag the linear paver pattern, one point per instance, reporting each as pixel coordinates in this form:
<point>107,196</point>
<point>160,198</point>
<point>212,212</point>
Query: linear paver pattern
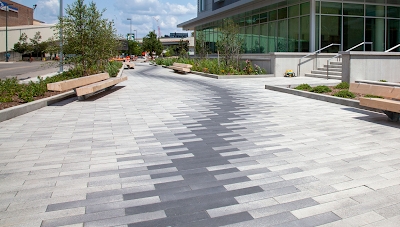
<point>165,149</point>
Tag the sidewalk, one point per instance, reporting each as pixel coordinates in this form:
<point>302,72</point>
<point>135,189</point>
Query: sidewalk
<point>165,149</point>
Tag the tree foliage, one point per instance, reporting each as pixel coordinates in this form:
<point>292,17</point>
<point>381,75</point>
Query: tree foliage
<point>229,43</point>
<point>35,45</point>
<point>152,44</point>
<point>22,46</point>
<point>135,48</point>
<point>88,39</point>
<point>182,48</point>
<point>201,45</point>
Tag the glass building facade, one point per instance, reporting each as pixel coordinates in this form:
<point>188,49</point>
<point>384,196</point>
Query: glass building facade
<point>308,25</point>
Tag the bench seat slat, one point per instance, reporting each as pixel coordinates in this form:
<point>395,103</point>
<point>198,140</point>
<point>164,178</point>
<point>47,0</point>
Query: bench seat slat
<point>77,82</point>
<point>378,90</point>
<point>382,104</point>
<point>99,85</point>
<point>180,68</point>
<point>182,65</point>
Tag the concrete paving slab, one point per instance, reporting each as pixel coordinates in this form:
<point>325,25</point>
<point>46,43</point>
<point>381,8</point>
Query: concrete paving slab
<point>165,149</point>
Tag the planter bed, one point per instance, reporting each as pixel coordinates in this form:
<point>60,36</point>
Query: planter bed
<point>327,97</point>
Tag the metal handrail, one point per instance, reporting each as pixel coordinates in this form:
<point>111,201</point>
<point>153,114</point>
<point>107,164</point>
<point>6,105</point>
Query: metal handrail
<point>337,55</point>
<point>313,53</point>
<point>398,45</point>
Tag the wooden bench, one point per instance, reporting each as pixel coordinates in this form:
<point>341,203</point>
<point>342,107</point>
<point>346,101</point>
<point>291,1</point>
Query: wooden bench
<point>88,85</point>
<point>389,104</point>
<point>180,67</point>
<point>129,65</point>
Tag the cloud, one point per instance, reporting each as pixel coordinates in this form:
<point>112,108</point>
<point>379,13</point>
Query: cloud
<point>147,15</point>
<point>48,9</point>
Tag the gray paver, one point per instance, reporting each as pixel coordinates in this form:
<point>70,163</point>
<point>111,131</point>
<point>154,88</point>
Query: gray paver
<point>184,150</point>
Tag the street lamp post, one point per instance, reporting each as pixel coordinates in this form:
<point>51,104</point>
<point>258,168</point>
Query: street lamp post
<point>61,37</point>
<point>7,54</point>
<point>130,33</point>
<point>130,22</point>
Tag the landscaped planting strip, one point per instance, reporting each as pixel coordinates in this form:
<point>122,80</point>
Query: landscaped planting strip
<point>322,97</point>
<point>16,111</point>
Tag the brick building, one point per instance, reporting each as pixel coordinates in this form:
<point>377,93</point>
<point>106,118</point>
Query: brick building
<point>17,15</point>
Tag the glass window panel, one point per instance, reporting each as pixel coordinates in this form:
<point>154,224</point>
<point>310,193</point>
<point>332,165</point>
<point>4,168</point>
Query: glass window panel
<point>248,40</point>
<point>249,21</point>
<point>305,8</point>
<point>256,19</point>
<point>393,34</point>
<point>263,38</point>
<point>393,11</point>
<point>375,32</point>
<point>330,32</point>
<point>273,15</point>
<point>255,11</point>
<point>256,39</point>
<point>375,10</point>
<point>242,22</point>
<point>293,37</point>
<point>305,34</point>
<point>272,36</point>
<point>353,9</point>
<point>331,8</point>
<point>393,2</point>
<point>353,32</point>
<point>282,13</point>
<point>317,6</point>
<point>282,36</point>
<point>263,17</point>
<point>294,11</point>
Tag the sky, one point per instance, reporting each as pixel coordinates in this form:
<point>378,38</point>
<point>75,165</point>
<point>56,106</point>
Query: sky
<point>146,15</point>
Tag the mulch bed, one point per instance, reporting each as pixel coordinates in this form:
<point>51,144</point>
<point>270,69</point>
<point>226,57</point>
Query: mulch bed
<point>17,101</point>
<point>334,90</point>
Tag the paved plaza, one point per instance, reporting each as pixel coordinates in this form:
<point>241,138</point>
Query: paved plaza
<point>165,149</point>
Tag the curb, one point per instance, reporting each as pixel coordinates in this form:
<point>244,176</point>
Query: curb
<point>19,110</point>
<point>321,97</point>
<point>232,76</point>
<point>16,111</point>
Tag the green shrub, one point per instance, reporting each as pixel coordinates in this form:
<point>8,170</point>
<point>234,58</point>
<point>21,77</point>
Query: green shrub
<point>320,89</point>
<point>373,96</point>
<point>382,80</point>
<point>303,87</point>
<point>344,94</point>
<point>26,95</point>
<point>343,85</point>
<point>113,68</point>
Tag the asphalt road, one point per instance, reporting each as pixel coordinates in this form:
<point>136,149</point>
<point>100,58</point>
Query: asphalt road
<point>24,70</point>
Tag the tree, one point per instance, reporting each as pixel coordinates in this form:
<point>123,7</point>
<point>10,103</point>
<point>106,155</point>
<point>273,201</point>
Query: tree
<point>135,48</point>
<point>22,46</point>
<point>152,44</point>
<point>34,46</point>
<point>229,43</point>
<point>37,46</point>
<point>88,39</point>
<point>182,48</point>
<point>201,46</point>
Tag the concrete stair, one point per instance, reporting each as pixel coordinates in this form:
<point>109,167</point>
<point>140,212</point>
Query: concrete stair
<point>335,71</point>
